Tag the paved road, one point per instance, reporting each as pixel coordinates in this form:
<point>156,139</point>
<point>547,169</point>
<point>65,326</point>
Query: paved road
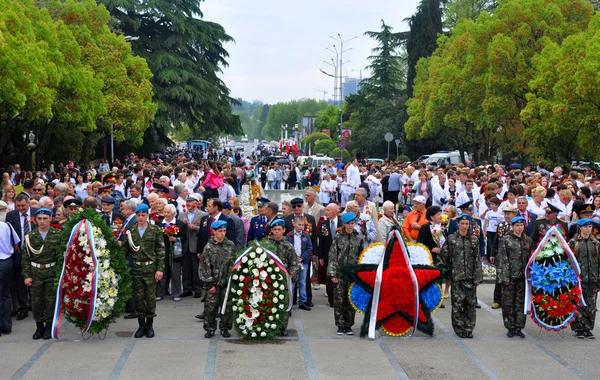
<point>311,351</point>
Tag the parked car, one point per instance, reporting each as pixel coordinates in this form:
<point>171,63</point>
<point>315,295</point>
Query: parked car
<point>269,159</point>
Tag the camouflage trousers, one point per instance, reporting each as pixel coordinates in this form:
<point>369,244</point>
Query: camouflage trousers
<point>212,306</point>
<point>144,291</point>
<point>513,303</point>
<point>587,314</point>
<point>43,294</point>
<point>464,298</point>
<point>343,311</point>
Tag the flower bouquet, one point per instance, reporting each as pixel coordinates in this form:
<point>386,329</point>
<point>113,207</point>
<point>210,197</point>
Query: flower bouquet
<point>94,282</point>
<point>553,287</point>
<point>395,286</point>
<point>260,288</point>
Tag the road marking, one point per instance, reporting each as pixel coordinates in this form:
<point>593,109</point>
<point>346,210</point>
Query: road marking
<point>391,358</point>
<point>308,360</point>
<point>211,359</point>
<point>539,344</point>
<point>122,360</point>
<point>485,369</point>
<point>27,366</point>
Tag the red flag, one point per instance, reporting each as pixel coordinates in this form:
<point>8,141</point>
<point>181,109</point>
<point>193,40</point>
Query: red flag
<point>280,144</point>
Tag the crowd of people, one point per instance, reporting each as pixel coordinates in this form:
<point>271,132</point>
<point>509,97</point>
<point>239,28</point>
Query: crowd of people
<point>466,215</point>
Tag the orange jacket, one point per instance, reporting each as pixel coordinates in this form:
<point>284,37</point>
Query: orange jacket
<point>413,217</point>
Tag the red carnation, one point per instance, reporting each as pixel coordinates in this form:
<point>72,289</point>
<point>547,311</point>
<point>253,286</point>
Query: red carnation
<point>268,280</point>
<point>244,296</point>
<point>247,307</point>
<point>268,313</point>
<point>270,304</point>
<point>249,315</point>
<point>247,279</point>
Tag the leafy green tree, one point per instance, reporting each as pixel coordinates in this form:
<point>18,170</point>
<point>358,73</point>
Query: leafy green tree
<point>185,54</point>
<point>328,119</point>
<point>325,146</point>
<point>314,137</point>
<point>341,153</point>
<point>289,113</point>
<point>457,10</point>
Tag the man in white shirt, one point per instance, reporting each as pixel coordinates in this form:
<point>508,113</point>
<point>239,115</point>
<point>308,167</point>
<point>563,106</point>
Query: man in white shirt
<point>353,175</point>
<point>9,241</point>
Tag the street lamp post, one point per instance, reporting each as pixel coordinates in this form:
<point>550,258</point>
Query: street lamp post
<point>342,42</point>
<point>112,146</point>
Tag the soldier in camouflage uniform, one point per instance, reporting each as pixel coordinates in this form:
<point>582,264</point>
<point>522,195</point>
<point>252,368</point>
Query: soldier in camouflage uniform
<point>345,250</point>
<point>461,255</point>
<point>40,254</point>
<point>542,225</point>
<point>286,253</point>
<point>503,229</point>
<point>144,242</point>
<point>585,247</point>
<point>213,270</point>
<point>513,254</point>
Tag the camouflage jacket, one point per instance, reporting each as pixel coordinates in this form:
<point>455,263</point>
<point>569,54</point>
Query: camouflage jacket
<point>461,255</point>
<point>503,229</point>
<point>287,254</point>
<point>345,249</point>
<point>51,250</point>
<point>151,247</point>
<point>216,262</point>
<point>586,252</point>
<point>513,255</point>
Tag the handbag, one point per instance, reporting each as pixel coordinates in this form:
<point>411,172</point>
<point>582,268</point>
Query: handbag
<point>177,249</point>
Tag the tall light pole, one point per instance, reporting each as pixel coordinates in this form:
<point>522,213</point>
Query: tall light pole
<point>342,42</point>
<point>335,66</point>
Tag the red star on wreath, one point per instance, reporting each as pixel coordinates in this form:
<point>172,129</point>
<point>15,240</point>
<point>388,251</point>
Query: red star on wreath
<point>397,306</point>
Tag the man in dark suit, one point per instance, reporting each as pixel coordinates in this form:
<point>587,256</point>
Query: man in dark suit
<point>310,227</point>
<point>21,219</point>
<point>326,231</point>
<point>214,207</point>
<point>128,210</point>
<point>109,215</point>
<point>529,217</point>
<point>189,266</point>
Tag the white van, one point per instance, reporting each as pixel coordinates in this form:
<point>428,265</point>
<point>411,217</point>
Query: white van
<point>316,161</point>
<point>446,158</point>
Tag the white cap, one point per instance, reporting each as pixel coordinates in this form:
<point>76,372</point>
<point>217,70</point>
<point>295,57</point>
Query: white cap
<point>420,199</point>
<point>3,205</point>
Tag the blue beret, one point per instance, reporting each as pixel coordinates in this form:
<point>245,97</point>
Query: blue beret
<point>227,205</point>
<point>109,200</point>
<point>517,219</point>
<point>278,222</point>
<point>262,200</point>
<point>43,211</point>
<point>142,208</point>
<point>467,204</point>
<point>218,224</point>
<point>585,222</point>
<point>464,217</point>
<point>348,217</point>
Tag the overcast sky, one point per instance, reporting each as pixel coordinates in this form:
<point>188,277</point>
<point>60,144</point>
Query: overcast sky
<point>280,44</point>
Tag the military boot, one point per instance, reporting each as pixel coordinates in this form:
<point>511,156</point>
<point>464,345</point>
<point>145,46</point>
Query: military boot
<point>149,328</point>
<point>47,331</point>
<point>141,331</point>
<point>39,332</point>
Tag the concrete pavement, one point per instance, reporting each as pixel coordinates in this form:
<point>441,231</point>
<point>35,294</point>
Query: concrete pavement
<point>311,351</point>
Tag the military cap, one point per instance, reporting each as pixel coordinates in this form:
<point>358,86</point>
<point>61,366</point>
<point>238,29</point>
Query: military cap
<point>161,188</point>
<point>510,209</point>
<point>586,208</point>
<point>348,217</point>
<point>43,211</point>
<point>109,178</point>
<point>218,224</point>
<point>467,204</point>
<point>109,200</point>
<point>104,188</point>
<point>72,202</point>
<point>262,201</point>
<point>550,208</point>
<point>192,197</point>
<point>297,201</point>
<point>142,208</point>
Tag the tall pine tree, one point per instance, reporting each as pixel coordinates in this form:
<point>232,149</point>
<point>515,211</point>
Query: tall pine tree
<point>185,54</point>
<point>425,25</point>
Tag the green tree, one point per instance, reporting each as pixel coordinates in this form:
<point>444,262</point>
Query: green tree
<point>314,137</point>
<point>387,66</point>
<point>289,113</point>
<point>185,54</point>
<point>341,153</point>
<point>328,119</point>
<point>325,146</point>
<point>457,10</point>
